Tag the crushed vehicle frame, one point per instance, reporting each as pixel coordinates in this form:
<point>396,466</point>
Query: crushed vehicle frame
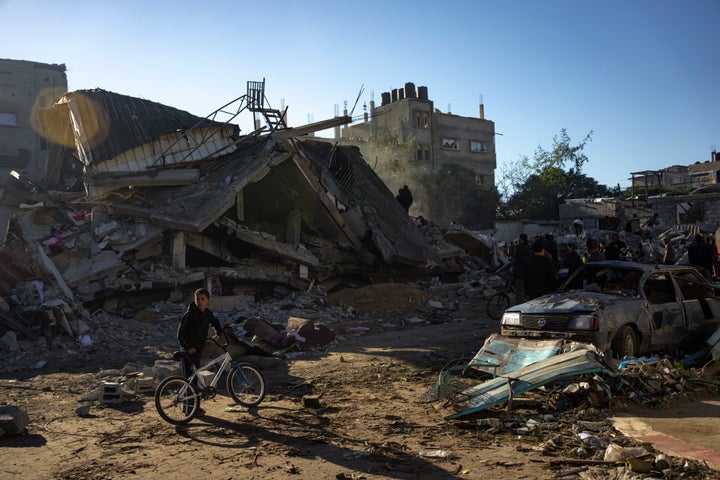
<point>623,308</point>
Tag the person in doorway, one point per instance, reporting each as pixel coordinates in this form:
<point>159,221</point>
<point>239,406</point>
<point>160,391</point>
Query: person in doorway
<point>539,272</point>
<point>193,330</point>
<point>405,198</point>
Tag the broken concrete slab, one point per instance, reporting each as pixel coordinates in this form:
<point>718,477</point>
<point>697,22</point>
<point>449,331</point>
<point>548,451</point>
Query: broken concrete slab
<point>85,270</point>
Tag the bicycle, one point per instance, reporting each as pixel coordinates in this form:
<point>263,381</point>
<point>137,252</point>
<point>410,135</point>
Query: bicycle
<point>498,302</point>
<point>177,399</point>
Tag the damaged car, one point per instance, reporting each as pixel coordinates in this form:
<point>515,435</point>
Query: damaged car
<point>623,309</point>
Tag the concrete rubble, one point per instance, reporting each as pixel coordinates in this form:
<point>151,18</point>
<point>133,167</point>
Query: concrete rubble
<point>278,228</point>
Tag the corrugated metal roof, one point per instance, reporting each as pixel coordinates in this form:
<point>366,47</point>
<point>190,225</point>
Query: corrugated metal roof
<point>109,124</point>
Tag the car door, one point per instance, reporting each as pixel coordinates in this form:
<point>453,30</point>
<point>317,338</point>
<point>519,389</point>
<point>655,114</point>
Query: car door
<point>667,316</point>
<point>700,304</point>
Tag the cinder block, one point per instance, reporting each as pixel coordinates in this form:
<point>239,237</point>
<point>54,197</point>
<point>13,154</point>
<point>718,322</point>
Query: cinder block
<point>144,384</point>
<point>111,392</point>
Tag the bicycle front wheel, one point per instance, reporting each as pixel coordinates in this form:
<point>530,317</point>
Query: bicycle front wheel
<point>176,400</point>
<point>246,385</point>
<point>497,304</point>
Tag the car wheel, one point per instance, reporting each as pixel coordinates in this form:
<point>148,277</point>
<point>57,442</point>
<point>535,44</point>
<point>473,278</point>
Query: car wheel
<point>625,343</point>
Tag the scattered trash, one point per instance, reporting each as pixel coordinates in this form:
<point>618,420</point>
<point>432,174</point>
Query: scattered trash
<point>237,408</point>
<point>437,454</point>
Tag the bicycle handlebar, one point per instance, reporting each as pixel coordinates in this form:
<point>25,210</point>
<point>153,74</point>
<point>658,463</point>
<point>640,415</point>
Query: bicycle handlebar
<point>215,339</point>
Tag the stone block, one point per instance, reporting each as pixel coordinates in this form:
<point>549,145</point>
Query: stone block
<point>13,420</point>
<point>111,392</point>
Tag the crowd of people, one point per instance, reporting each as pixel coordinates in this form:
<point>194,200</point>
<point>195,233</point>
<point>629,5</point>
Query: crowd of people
<point>541,265</point>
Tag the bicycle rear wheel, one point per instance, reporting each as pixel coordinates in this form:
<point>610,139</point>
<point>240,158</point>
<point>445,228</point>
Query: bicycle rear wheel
<point>497,304</point>
<point>246,385</point>
<point>176,400</point>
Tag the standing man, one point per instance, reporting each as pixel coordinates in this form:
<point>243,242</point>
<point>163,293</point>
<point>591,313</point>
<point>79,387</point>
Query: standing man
<point>405,198</point>
<point>615,247</point>
<point>700,255</point>
<point>578,225</point>
<point>539,272</point>
<point>523,252</point>
<point>593,251</point>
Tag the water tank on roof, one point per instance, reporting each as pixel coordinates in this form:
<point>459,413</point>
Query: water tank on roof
<point>394,94</point>
<point>410,90</point>
<point>422,93</point>
<point>385,96</point>
<point>401,93</point>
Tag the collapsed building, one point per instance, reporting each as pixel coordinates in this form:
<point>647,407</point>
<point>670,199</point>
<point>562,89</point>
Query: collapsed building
<point>170,201</point>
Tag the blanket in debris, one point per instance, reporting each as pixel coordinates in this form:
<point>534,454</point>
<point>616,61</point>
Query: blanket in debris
<point>300,332</point>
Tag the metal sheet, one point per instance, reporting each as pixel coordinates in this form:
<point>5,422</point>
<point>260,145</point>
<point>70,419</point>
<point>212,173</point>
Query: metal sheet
<point>500,355</point>
<point>498,390</point>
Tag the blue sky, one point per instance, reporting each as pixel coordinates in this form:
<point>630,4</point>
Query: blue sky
<point>643,75</point>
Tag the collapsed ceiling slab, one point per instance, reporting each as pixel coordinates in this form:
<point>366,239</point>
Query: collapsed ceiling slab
<point>349,179</point>
<point>243,198</point>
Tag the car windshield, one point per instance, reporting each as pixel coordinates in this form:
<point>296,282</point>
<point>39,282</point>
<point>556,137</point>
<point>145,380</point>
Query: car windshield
<point>605,279</point>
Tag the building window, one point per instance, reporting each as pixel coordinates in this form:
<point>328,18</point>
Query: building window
<point>450,144</point>
<point>421,119</point>
<point>8,120</point>
<point>422,153</point>
<point>476,146</point>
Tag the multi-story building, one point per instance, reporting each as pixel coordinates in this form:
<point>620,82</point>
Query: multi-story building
<point>705,173</point>
<point>675,176</point>
<point>439,138</point>
<point>27,91</point>
<point>696,175</point>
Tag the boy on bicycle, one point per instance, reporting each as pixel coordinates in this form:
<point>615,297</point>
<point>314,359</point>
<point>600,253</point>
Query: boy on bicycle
<point>193,330</point>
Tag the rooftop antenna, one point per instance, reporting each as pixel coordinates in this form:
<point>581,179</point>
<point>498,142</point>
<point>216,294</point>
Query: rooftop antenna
<point>449,109</point>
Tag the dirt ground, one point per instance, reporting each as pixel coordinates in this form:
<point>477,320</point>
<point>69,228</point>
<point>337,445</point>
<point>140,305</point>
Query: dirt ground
<point>373,421</point>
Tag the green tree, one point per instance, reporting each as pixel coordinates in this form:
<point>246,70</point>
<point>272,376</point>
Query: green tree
<point>534,188</point>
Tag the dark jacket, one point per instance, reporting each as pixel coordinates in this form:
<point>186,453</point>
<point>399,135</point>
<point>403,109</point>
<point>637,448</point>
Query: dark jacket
<point>523,252</point>
<point>569,262</point>
<point>614,250</point>
<point>193,329</point>
<point>539,276</point>
<point>700,254</point>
